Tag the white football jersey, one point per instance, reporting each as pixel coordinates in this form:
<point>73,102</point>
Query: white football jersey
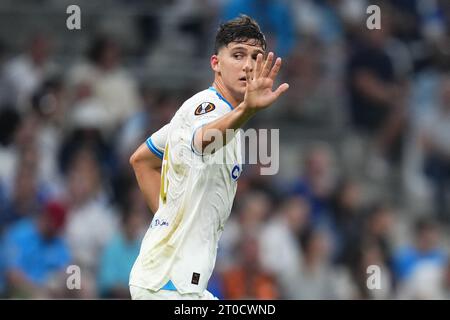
<point>195,200</point>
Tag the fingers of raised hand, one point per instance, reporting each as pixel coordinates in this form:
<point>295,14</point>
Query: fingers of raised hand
<point>281,89</point>
<point>259,65</point>
<point>275,69</point>
<point>267,65</point>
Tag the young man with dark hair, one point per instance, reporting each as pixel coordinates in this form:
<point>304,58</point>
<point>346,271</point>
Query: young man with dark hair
<point>190,191</point>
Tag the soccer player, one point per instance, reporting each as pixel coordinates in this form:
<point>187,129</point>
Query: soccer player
<point>191,196</point>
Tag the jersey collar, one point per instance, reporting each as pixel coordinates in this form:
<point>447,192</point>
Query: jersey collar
<point>221,97</point>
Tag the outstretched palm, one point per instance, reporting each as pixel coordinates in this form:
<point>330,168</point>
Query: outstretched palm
<point>258,93</point>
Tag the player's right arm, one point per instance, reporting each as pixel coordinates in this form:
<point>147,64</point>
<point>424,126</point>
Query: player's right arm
<point>146,162</point>
<point>147,169</point>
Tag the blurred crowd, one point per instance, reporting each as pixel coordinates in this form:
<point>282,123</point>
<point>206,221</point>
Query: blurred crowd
<point>365,148</point>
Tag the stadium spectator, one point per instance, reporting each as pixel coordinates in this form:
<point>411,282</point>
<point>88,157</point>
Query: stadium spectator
<point>280,250</point>
<point>246,279</point>
<point>314,277</point>
<point>26,72</point>
<point>316,103</point>
<point>377,95</point>
<point>346,209</point>
<point>24,200</point>
<point>119,255</point>
<point>91,221</point>
<point>426,247</point>
<point>36,255</point>
<point>436,145</point>
<point>375,227</point>
<point>369,269</point>
<point>111,84</point>
<point>317,182</point>
<point>247,221</point>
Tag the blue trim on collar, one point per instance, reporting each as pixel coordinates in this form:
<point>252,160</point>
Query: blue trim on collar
<point>221,97</point>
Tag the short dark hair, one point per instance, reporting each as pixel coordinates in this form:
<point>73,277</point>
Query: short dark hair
<point>240,29</point>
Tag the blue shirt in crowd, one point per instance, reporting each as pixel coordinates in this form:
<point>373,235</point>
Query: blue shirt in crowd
<point>116,262</point>
<point>409,257</point>
<point>26,250</point>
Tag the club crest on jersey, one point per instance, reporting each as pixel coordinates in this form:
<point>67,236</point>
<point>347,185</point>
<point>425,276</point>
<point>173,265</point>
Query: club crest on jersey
<point>205,107</point>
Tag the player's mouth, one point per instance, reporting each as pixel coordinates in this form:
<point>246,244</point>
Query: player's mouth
<point>242,79</point>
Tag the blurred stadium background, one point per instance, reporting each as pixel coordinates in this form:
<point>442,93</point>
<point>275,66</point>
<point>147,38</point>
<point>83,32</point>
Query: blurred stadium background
<point>365,146</point>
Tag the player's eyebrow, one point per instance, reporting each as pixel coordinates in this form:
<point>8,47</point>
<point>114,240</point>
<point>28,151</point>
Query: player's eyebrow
<point>245,49</point>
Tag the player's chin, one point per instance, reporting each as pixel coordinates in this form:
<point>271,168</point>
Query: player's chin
<point>241,86</point>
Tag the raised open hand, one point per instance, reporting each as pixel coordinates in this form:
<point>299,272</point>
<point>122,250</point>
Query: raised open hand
<point>258,93</point>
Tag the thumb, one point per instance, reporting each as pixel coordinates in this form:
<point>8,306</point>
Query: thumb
<point>281,89</point>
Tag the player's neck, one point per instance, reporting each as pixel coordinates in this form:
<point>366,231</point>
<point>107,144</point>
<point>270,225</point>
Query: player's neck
<point>218,85</point>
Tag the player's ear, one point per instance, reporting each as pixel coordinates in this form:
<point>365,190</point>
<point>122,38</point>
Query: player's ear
<point>215,63</point>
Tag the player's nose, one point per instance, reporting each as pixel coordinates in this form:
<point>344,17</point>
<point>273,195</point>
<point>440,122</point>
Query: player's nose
<point>248,63</point>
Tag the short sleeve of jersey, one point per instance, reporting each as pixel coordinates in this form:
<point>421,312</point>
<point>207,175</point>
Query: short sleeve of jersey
<point>157,141</point>
<point>199,119</point>
<point>205,112</point>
